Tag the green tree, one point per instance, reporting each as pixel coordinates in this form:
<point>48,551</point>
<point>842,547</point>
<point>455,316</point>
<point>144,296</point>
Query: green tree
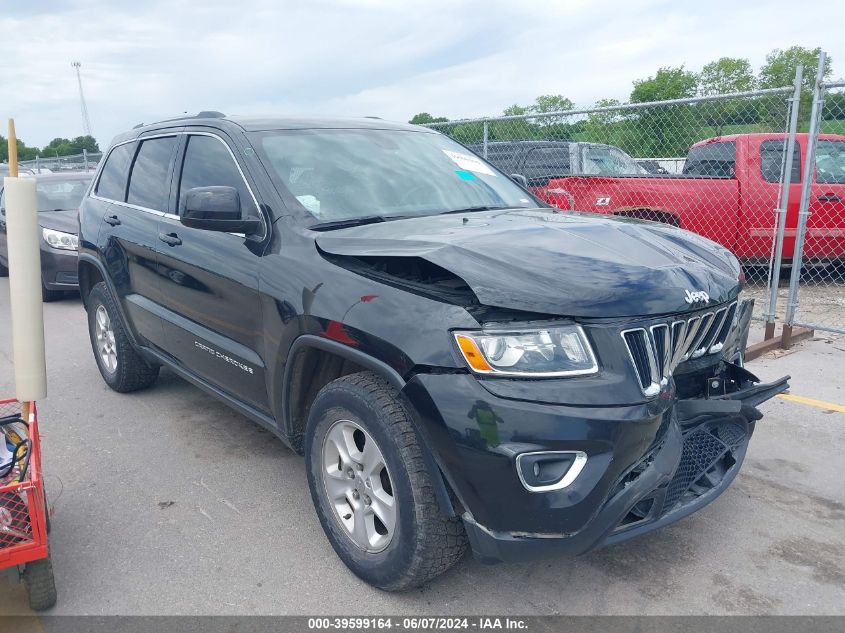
<point>515,110</point>
<point>726,74</point>
<point>779,71</point>
<point>722,76</point>
<point>605,127</point>
<point>664,130</point>
<point>66,147</point>
<point>424,117</point>
<point>551,103</point>
<point>24,152</point>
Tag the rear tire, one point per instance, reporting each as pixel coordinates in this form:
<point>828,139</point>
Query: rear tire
<point>40,584</point>
<point>423,541</point>
<point>120,365</point>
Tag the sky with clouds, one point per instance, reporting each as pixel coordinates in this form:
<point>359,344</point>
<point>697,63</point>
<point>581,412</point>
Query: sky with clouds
<point>150,59</point>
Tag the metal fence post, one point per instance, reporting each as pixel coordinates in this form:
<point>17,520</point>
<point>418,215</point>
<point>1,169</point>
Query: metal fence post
<point>804,210</point>
<point>774,272</point>
<point>486,136</point>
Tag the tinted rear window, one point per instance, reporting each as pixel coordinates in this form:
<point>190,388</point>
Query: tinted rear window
<point>148,181</point>
<point>713,160</point>
<point>112,183</point>
<point>549,160</point>
<point>771,161</point>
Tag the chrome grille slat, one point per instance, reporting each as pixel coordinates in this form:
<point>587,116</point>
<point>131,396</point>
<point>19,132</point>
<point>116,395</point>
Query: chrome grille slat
<point>656,351</point>
<point>682,353</point>
<point>710,338</point>
<point>703,331</point>
<point>662,347</point>
<point>722,336</point>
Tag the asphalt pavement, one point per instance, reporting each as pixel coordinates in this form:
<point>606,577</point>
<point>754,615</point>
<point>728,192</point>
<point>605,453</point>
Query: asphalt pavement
<point>166,502</point>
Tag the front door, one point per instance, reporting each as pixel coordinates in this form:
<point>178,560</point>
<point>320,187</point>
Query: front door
<point>825,237</point>
<point>212,316</point>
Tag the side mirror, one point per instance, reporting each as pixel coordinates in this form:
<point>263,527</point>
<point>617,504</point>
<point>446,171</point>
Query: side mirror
<point>216,209</point>
<point>520,180</point>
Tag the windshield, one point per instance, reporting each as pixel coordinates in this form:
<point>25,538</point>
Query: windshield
<point>357,173</point>
<point>59,195</point>
<point>830,162</point>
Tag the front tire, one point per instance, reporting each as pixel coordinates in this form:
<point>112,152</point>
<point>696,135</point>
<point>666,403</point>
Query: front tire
<point>372,489</point>
<point>120,365</point>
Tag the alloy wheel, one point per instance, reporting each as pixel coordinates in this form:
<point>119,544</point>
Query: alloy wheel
<point>106,346</point>
<point>358,486</point>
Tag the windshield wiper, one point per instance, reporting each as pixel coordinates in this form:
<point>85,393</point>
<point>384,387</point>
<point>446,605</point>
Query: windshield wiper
<point>473,209</point>
<point>347,222</point>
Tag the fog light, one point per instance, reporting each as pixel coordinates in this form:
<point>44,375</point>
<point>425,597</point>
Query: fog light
<point>544,471</point>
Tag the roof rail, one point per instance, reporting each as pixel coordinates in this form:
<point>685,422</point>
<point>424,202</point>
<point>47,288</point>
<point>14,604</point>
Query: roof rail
<point>204,114</point>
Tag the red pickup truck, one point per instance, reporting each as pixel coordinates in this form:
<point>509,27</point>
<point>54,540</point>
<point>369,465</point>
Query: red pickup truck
<point>728,192</point>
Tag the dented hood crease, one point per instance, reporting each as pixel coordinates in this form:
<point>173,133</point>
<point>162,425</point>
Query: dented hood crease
<point>567,264</point>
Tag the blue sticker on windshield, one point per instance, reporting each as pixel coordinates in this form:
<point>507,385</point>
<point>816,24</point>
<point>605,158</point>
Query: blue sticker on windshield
<point>465,175</point>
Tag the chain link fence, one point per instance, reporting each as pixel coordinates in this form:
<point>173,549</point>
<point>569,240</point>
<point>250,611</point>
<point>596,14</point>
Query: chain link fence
<point>712,165</point>
<point>817,291</point>
<point>87,161</point>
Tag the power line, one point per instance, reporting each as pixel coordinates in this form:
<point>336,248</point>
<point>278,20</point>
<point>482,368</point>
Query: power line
<point>86,122</point>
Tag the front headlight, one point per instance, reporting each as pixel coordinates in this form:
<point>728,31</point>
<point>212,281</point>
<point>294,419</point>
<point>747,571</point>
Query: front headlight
<point>57,239</point>
<point>542,353</point>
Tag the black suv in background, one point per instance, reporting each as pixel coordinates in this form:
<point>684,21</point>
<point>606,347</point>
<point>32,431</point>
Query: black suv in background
<point>456,365</point>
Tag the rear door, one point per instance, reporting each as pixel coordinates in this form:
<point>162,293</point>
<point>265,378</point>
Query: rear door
<point>825,238</point>
<point>131,208</point>
<point>212,316</point>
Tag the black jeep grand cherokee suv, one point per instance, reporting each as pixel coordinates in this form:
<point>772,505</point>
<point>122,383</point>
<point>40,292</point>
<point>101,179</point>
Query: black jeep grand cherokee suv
<point>456,364</point>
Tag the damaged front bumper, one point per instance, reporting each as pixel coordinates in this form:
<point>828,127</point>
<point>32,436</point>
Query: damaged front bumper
<point>696,459</point>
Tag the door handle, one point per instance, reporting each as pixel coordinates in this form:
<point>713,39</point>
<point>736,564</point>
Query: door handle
<point>112,219</point>
<point>829,197</point>
<point>171,239</point>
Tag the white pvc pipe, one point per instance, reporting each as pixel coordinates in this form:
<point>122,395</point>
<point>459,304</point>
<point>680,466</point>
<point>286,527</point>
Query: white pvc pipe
<point>22,234</point>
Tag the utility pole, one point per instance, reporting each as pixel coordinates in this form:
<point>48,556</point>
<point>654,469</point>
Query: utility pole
<point>86,122</point>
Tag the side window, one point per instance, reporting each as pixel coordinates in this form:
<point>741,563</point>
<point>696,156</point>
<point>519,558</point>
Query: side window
<point>772,154</point>
<point>712,160</point>
<point>208,163</point>
<point>112,183</point>
<point>609,161</point>
<point>548,161</point>
<point>830,162</point>
<point>148,179</point>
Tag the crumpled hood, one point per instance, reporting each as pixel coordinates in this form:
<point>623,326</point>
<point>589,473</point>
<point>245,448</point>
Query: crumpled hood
<point>569,264</point>
<point>66,220</point>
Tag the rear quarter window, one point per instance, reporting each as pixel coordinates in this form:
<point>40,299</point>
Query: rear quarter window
<point>772,155</point>
<point>112,182</point>
<point>713,160</point>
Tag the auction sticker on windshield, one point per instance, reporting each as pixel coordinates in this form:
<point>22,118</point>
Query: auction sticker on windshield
<point>470,163</point>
